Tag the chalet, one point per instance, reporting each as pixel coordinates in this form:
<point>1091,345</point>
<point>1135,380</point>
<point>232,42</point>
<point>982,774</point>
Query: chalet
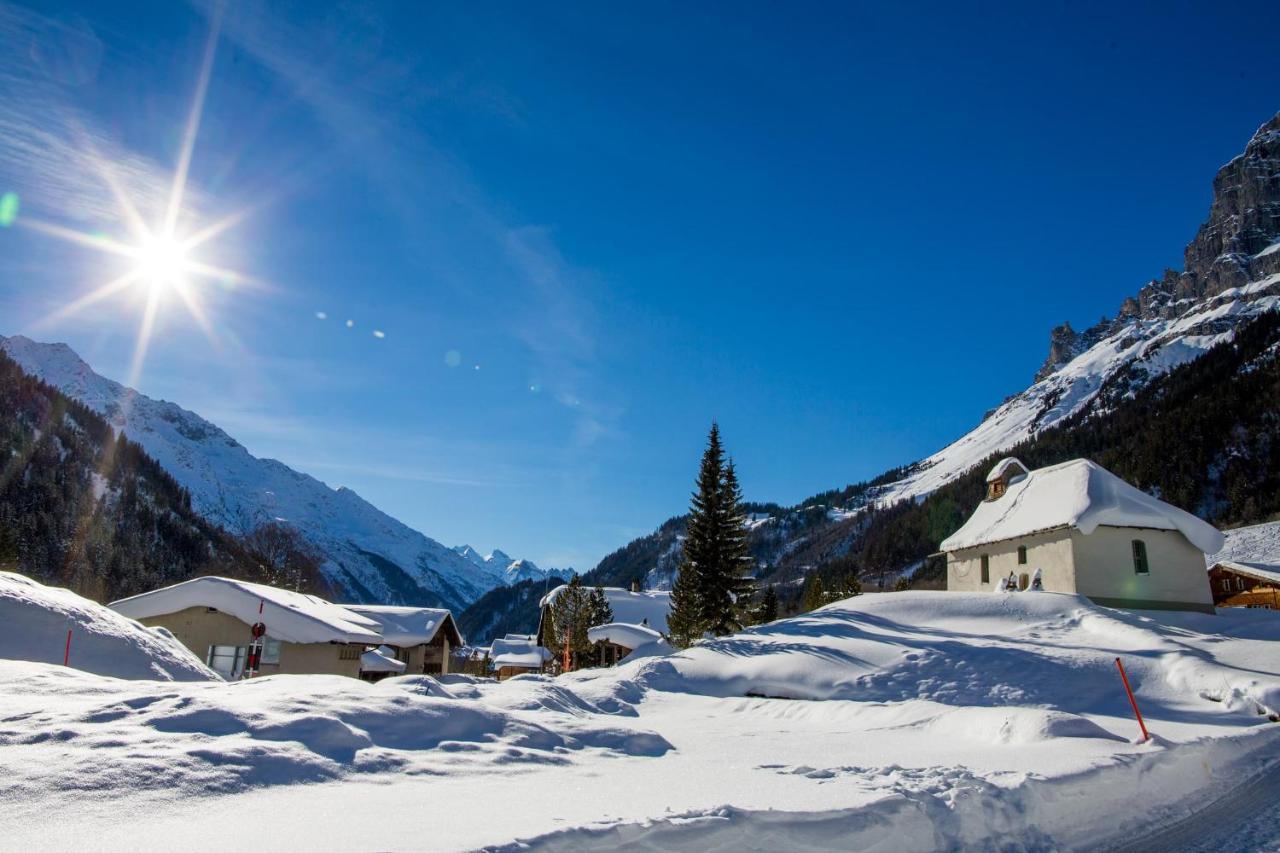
<point>517,655</point>
<point>421,638</point>
<point>213,617</point>
<point>619,639</point>
<point>1082,530</point>
<point>647,608</point>
<point>377,664</point>
<point>1237,583</point>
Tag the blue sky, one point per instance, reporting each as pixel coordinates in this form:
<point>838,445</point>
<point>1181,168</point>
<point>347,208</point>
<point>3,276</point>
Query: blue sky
<point>586,230</point>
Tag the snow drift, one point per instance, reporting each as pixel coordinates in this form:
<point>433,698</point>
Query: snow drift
<point>34,620</point>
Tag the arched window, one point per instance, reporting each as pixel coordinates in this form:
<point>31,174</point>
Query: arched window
<point>986,568</point>
<point>1022,555</point>
<point>1140,566</point>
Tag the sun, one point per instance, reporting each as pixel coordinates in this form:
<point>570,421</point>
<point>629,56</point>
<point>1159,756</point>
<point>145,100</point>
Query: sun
<point>159,254</point>
<point>163,263</point>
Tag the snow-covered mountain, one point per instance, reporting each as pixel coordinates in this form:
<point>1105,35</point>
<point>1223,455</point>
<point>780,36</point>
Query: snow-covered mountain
<point>371,556</point>
<point>1231,275</point>
<point>511,571</point>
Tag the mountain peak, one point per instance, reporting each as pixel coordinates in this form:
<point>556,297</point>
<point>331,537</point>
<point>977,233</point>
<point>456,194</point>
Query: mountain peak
<point>1229,250</point>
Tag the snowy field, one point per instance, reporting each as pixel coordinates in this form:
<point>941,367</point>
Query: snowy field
<point>910,721</point>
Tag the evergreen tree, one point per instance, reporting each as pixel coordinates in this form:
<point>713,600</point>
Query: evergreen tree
<point>815,592</point>
<point>571,615</point>
<point>768,611</point>
<point>684,622</point>
<point>697,582</point>
<point>601,611</point>
<point>713,589</point>
<point>733,572</point>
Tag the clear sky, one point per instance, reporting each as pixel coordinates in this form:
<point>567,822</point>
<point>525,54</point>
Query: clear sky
<point>585,230</point>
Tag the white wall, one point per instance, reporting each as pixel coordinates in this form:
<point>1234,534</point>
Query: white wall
<point>1104,568</point>
<point>1099,565</point>
<point>1050,552</point>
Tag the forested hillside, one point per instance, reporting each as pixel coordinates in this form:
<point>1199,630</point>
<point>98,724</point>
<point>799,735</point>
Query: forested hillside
<point>84,508</point>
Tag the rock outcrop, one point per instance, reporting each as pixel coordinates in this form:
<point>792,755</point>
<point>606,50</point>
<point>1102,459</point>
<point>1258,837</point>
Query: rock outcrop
<point>1236,246</point>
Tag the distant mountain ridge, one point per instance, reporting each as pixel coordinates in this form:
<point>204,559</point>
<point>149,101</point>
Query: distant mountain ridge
<point>367,555</point>
<point>512,571</point>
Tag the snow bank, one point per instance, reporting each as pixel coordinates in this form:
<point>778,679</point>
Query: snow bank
<point>1042,650</point>
<point>34,620</point>
<point>1079,494</point>
<point>65,725</point>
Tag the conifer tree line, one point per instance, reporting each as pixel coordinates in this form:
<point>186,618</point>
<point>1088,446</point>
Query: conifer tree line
<point>574,611</point>
<point>712,593</point>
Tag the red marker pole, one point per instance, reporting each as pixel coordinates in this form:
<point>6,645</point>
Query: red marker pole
<point>1132,700</point>
<point>66,653</point>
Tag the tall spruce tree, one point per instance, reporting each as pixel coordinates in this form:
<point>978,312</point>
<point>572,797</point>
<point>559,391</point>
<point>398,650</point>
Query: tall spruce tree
<point>713,588</point>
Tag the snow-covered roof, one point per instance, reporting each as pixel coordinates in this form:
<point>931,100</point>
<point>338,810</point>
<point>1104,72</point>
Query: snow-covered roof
<point>623,634</point>
<point>651,606</point>
<point>1079,494</point>
<point>1257,543</point>
<point>1269,572</point>
<point>289,616</point>
<point>408,626</point>
<point>381,659</point>
<point>521,653</point>
<point>1002,467</point>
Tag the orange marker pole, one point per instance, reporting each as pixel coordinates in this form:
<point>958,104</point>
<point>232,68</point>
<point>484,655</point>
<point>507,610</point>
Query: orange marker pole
<point>1132,700</point>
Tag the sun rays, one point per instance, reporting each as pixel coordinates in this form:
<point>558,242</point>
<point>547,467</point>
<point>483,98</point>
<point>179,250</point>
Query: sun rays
<point>162,259</point>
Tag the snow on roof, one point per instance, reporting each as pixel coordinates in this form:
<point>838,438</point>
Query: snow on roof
<point>381,659</point>
<point>1269,572</point>
<point>1257,543</point>
<point>289,616</point>
<point>1079,494</point>
<point>651,606</point>
<point>407,626</point>
<point>521,653</point>
<point>35,619</point>
<point>624,634</point>
<point>1003,466</point>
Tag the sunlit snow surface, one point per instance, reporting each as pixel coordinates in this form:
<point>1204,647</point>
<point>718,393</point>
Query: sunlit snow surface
<point>911,720</point>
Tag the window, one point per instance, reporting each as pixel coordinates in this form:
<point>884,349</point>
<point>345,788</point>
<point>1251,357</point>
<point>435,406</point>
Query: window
<point>270,650</point>
<point>227,661</point>
<point>1140,566</point>
<point>986,568</point>
<point>1022,555</point>
<point>350,652</point>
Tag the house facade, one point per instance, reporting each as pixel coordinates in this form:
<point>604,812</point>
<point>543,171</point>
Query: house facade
<point>213,617</point>
<point>422,638</point>
<point>1082,530</point>
<point>1245,584</point>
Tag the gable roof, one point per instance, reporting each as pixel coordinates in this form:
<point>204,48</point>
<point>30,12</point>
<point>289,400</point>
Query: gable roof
<point>1269,572</point>
<point>289,616</point>
<point>1003,466</point>
<point>634,607</point>
<point>1080,494</point>
<point>409,626</point>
